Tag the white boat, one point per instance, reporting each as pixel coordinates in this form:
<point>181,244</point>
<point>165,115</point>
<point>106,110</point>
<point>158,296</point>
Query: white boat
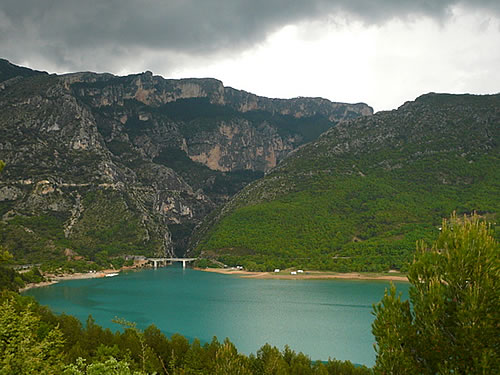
<point>111,274</point>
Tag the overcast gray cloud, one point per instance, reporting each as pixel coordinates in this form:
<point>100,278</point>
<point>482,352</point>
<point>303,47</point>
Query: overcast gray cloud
<point>102,34</point>
<point>382,52</point>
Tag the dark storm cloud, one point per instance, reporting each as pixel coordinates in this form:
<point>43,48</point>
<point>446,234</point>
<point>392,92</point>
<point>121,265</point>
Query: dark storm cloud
<point>74,34</point>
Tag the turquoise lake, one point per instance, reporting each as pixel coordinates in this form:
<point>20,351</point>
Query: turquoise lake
<point>321,318</point>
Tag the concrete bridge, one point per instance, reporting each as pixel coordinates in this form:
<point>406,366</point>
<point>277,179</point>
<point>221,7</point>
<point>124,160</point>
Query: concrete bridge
<point>164,261</point>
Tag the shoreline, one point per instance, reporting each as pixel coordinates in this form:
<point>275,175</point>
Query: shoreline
<point>309,275</point>
<point>284,275</point>
<point>54,279</point>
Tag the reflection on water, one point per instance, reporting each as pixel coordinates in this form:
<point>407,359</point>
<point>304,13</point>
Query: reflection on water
<point>321,318</point>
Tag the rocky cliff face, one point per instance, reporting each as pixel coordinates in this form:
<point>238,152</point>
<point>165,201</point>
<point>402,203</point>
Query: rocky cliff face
<point>220,127</point>
<point>132,164</point>
<point>59,165</point>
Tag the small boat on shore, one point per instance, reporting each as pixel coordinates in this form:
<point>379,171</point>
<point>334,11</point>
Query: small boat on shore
<point>111,274</point>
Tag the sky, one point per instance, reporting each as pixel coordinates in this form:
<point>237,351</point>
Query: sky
<point>381,52</point>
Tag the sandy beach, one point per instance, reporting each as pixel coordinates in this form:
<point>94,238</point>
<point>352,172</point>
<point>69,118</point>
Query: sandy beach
<point>308,275</point>
<point>283,275</point>
<point>54,279</point>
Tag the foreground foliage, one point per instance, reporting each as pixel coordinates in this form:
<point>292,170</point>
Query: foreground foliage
<point>451,325</point>
<point>24,346</point>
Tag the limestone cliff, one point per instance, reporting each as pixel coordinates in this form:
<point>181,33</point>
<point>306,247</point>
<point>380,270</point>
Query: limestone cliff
<point>97,162</point>
<point>220,127</point>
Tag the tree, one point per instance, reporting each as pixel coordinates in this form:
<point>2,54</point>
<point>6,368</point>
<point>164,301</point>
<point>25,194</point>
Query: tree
<point>5,256</point>
<point>108,367</point>
<point>24,347</point>
<point>229,362</point>
<point>2,165</point>
<point>9,278</point>
<point>451,325</point>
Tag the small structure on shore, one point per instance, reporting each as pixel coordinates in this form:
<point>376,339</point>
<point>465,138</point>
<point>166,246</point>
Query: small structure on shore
<point>293,273</point>
<point>300,271</point>
<point>276,270</point>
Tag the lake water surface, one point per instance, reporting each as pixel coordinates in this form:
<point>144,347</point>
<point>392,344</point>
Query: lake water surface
<point>330,318</point>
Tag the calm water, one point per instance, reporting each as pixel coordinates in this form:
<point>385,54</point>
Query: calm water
<point>319,318</point>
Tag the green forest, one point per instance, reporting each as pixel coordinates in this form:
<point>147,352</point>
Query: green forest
<point>359,197</point>
<point>107,226</point>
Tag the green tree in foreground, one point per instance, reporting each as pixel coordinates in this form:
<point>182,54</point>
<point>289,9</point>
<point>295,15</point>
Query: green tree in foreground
<point>25,348</point>
<point>2,164</point>
<point>108,367</point>
<point>451,325</point>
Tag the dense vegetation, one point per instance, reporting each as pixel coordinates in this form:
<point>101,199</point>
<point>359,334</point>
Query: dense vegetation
<point>359,197</point>
<point>451,323</point>
<point>12,280</point>
<point>106,226</point>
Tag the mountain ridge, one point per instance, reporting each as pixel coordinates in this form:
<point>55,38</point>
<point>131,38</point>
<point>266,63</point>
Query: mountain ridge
<point>101,163</point>
<point>359,196</point>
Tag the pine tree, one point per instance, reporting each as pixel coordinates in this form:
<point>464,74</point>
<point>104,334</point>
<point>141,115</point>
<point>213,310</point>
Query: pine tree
<point>23,348</point>
<point>451,325</point>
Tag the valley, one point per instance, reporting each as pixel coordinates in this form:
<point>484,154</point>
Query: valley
<point>99,166</point>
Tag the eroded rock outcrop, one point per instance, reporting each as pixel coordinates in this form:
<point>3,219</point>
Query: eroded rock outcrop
<point>220,127</point>
<point>132,164</point>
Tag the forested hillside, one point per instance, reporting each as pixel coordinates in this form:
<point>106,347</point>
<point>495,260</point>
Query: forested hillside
<point>359,197</point>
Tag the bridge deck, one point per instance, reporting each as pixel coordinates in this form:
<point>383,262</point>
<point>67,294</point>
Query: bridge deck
<point>161,260</point>
<point>173,259</point>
